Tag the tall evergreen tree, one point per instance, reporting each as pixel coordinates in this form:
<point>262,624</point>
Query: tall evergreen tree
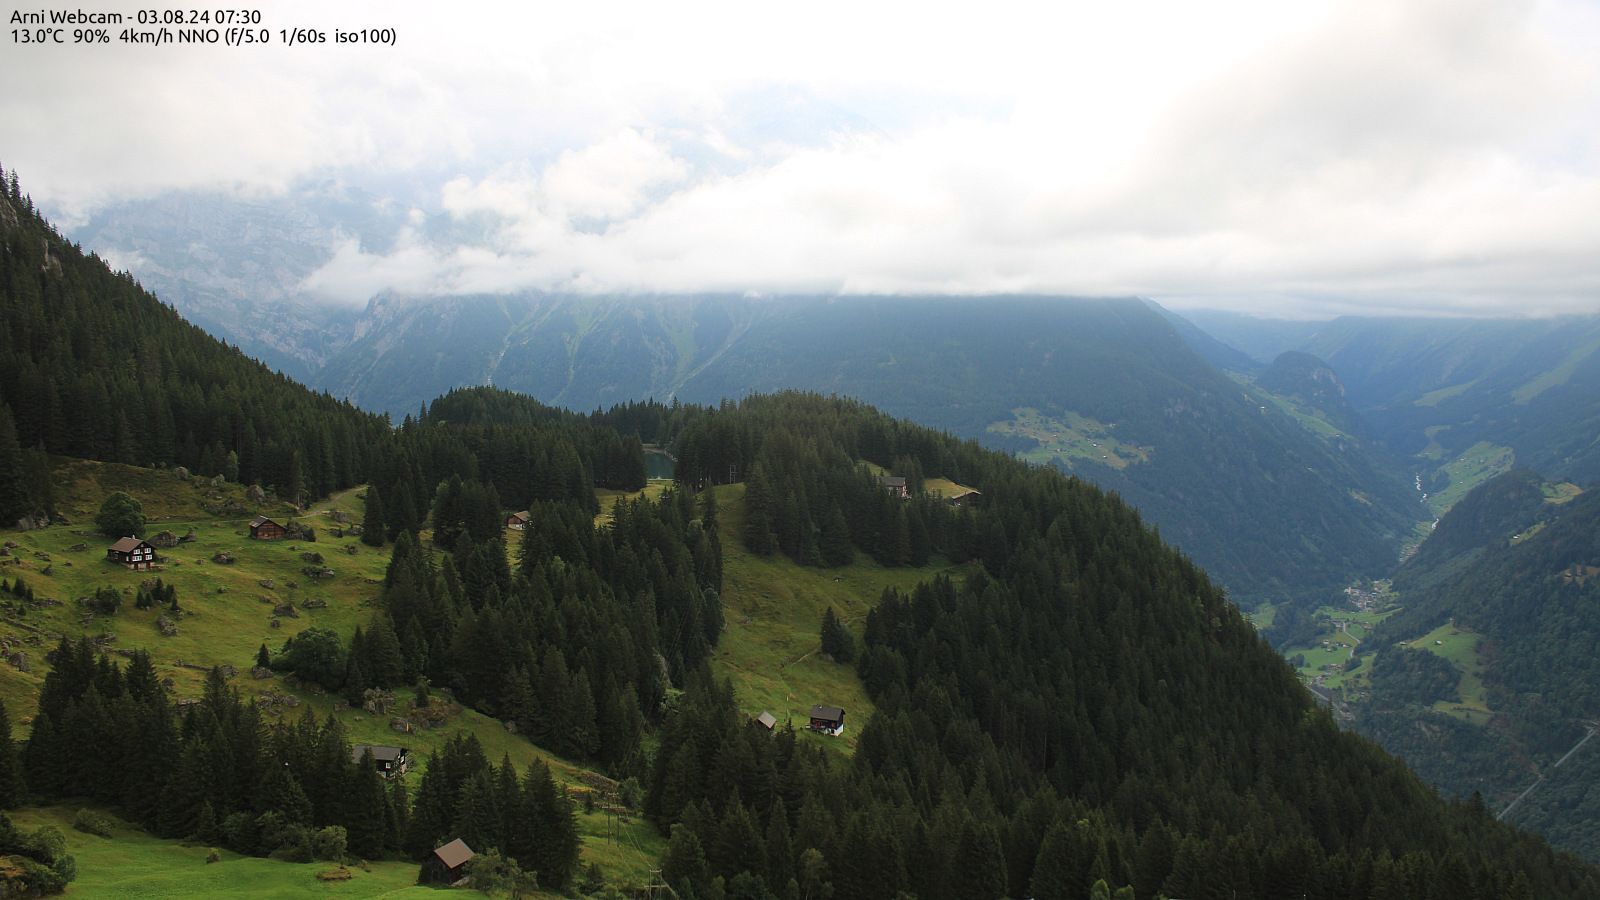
<point>13,491</point>
<point>11,785</point>
<point>372,518</point>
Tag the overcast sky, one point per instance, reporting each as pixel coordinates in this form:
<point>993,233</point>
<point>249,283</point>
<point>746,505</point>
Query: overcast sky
<point>1292,158</point>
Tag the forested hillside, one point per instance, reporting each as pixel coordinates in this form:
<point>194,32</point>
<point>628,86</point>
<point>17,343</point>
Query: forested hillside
<point>1106,389</point>
<point>92,366</point>
<point>1495,680</point>
<point>1087,662</point>
<point>1082,705</point>
<point>1440,388</point>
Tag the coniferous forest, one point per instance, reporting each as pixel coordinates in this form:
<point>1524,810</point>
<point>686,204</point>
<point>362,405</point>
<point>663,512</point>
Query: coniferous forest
<point>1082,713</point>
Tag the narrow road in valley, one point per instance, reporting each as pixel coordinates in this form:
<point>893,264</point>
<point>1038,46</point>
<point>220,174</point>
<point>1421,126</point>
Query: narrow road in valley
<point>1540,780</point>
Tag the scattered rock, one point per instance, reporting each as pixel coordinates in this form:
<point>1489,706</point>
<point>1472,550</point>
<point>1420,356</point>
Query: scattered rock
<point>339,515</point>
<point>255,494</point>
<point>400,724</point>
<point>19,661</point>
<point>164,539</point>
<point>230,508</point>
<point>166,626</point>
<point>318,572</point>
<point>377,701</point>
<point>511,725</point>
<point>11,545</point>
<point>276,624</point>
<point>189,537</point>
<point>339,874</point>
<point>182,472</point>
<point>286,609</point>
<point>79,547</point>
<point>223,557</point>
<point>356,530</point>
<point>314,603</point>
<point>351,549</point>
<point>268,583</point>
<point>271,700</point>
<point>40,554</point>
<point>228,671</point>
<point>312,557</point>
<point>260,673</point>
<point>218,481</point>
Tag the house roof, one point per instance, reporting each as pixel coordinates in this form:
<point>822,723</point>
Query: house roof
<point>521,514</point>
<point>827,713</point>
<point>127,545</point>
<point>380,752</point>
<point>259,521</point>
<point>892,480</point>
<point>454,854</point>
<point>767,720</point>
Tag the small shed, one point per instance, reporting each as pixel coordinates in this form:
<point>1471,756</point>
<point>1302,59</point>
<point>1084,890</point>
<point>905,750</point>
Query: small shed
<point>446,864</point>
<point>264,529</point>
<point>517,520</point>
<point>767,720</point>
<point>827,719</point>
<point>965,498</point>
<point>131,552</point>
<point>389,761</point>
<point>894,484</point>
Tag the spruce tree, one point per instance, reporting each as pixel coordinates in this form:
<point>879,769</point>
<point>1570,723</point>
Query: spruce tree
<point>372,521</point>
<point>556,830</point>
<point>13,491</point>
<point>837,641</point>
<point>834,542</point>
<point>759,506</point>
<point>11,791</point>
<point>685,860</point>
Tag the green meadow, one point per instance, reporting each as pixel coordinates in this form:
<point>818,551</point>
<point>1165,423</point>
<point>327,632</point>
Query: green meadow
<point>771,650</point>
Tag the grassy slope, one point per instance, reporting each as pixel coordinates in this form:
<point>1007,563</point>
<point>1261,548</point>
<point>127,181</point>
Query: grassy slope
<point>771,648</point>
<point>1481,462</point>
<point>1358,624</point>
<point>770,651</point>
<point>1071,437</point>
<point>229,627</point>
<point>131,863</point>
<point>1460,647</point>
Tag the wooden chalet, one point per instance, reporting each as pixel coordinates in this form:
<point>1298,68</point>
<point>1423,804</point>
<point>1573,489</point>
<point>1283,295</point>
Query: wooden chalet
<point>827,719</point>
<point>264,529</point>
<point>965,498</point>
<point>517,520</point>
<point>389,761</point>
<point>767,720</point>
<point>131,552</point>
<point>894,484</point>
<point>446,864</point>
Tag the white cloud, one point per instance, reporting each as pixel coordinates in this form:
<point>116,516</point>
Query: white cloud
<point>1418,155</point>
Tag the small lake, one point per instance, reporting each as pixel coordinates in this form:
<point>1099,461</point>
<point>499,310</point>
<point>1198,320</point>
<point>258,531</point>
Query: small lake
<point>657,464</point>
